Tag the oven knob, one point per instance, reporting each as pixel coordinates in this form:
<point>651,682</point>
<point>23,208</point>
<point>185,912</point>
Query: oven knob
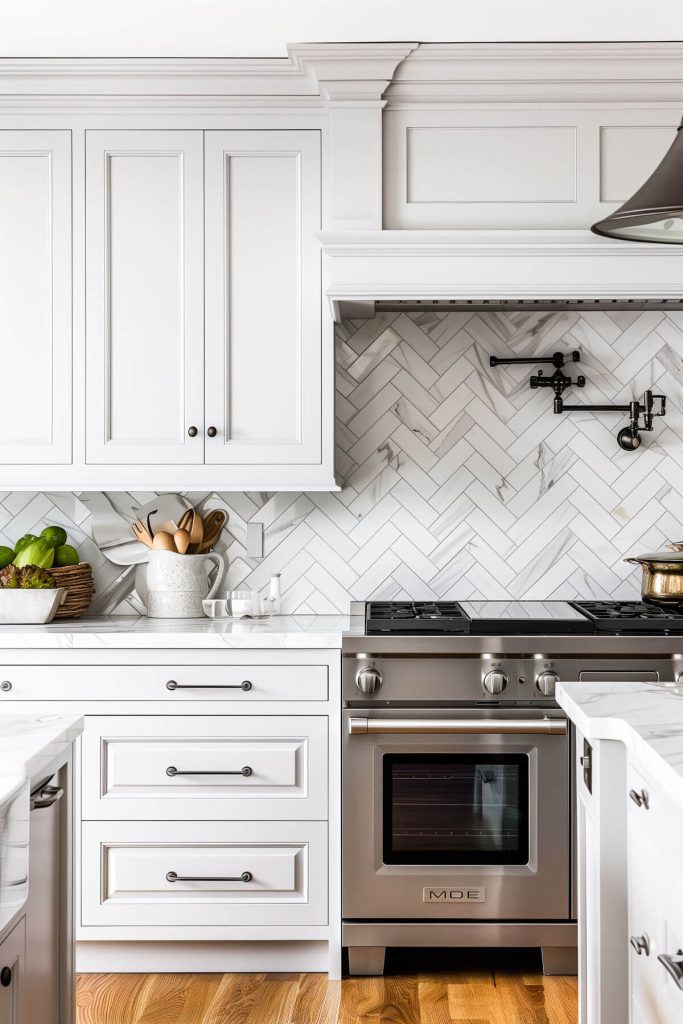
<point>495,681</point>
<point>545,682</point>
<point>368,680</point>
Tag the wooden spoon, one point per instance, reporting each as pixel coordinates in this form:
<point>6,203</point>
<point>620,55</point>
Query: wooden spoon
<point>185,520</point>
<point>182,541</point>
<point>213,525</point>
<point>196,532</point>
<point>163,541</point>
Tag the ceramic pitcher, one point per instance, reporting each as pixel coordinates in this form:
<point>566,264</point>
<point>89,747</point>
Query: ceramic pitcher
<point>176,585</point>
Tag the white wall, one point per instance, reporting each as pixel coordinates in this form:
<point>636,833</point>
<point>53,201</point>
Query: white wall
<point>253,28</point>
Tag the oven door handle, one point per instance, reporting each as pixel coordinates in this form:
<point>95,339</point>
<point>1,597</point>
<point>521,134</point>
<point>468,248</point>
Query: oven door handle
<point>460,726</point>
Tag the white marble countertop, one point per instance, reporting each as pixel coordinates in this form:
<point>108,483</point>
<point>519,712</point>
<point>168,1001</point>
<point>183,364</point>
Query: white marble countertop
<point>30,743</point>
<point>121,631</point>
<point>646,717</point>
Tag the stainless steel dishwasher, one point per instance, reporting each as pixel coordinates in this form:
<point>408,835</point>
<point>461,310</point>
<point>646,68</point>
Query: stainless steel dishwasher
<point>43,995</point>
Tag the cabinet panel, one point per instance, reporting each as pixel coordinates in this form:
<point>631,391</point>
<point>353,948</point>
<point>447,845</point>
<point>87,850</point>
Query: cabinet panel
<point>263,323</point>
<point>13,956</point>
<point>144,300</point>
<point>255,767</point>
<point>35,306</point>
<point>126,864</point>
<point>189,683</point>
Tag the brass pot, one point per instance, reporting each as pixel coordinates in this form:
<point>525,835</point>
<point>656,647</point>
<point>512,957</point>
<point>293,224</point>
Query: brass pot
<point>662,580</point>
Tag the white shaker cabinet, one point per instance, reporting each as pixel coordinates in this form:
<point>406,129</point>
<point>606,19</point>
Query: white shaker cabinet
<point>35,297</point>
<point>263,316</point>
<point>144,297</point>
<point>203,308</point>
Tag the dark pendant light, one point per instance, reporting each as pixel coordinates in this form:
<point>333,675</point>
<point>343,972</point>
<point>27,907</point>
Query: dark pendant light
<point>655,212</point>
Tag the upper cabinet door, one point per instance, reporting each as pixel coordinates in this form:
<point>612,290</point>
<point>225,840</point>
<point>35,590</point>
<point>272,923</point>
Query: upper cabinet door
<point>144,297</point>
<point>263,308</point>
<point>35,297</point>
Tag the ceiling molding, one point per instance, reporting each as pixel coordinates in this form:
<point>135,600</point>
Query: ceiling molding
<point>155,76</point>
<point>539,73</point>
<point>403,74</point>
<point>351,73</point>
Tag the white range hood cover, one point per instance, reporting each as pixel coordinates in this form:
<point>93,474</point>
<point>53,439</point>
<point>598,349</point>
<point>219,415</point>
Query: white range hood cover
<point>495,267</point>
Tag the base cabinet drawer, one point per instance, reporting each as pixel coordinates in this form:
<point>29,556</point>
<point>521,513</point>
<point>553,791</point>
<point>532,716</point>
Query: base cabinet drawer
<point>238,684</point>
<point>204,873</point>
<point>203,768</point>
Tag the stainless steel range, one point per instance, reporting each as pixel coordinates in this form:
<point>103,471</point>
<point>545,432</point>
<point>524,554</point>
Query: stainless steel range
<point>458,767</point>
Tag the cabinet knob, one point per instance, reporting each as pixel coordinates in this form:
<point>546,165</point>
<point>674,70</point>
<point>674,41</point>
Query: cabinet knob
<point>192,431</point>
<point>212,431</point>
<point>5,686</point>
<point>6,977</point>
<point>641,944</point>
<point>640,798</point>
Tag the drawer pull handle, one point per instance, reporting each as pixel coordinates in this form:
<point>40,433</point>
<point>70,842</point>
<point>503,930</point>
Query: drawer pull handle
<point>244,685</point>
<point>171,771</point>
<point>641,944</point>
<point>674,965</point>
<point>246,876</point>
<point>640,798</point>
<point>5,686</point>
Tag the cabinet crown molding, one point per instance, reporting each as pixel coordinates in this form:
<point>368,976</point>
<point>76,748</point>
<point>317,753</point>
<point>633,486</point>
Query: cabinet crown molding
<point>440,73</point>
<point>350,72</point>
<point>361,73</point>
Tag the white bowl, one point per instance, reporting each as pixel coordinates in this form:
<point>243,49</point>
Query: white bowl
<point>24,607</point>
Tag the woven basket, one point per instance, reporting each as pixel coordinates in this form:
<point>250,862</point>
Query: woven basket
<point>80,588</point>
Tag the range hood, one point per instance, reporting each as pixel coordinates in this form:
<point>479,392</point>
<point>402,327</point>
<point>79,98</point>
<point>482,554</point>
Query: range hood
<point>495,270</point>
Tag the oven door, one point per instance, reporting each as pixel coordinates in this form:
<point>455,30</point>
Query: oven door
<point>458,814</point>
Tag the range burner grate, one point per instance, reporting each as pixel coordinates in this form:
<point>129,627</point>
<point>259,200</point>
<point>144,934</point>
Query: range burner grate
<point>415,617</point>
<point>632,617</point>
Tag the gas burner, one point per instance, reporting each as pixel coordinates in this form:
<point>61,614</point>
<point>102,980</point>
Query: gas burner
<point>632,617</point>
<point>415,617</point>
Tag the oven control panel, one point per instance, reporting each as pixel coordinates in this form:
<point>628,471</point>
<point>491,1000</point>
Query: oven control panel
<point>402,680</point>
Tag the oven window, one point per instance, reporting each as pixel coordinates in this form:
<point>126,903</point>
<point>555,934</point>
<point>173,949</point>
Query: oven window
<point>456,809</point>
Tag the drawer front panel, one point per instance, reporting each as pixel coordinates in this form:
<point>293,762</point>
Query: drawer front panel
<point>221,874</point>
<point>239,684</point>
<point>200,767</point>
<point>653,815</point>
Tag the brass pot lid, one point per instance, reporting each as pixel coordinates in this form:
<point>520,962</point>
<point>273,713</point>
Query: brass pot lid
<point>671,559</point>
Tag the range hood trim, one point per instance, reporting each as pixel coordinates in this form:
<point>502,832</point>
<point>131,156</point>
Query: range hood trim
<point>493,266</point>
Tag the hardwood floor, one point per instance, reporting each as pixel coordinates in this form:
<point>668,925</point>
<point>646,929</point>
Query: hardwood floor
<point>472,990</point>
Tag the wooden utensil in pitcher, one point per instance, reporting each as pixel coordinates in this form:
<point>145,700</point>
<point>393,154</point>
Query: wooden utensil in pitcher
<point>142,534</point>
<point>213,525</point>
<point>196,532</point>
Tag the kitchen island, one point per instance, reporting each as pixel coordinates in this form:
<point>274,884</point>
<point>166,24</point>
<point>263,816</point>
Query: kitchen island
<point>630,836</point>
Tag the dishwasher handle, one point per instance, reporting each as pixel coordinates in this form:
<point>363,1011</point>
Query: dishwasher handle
<point>460,726</point>
<point>47,796</point>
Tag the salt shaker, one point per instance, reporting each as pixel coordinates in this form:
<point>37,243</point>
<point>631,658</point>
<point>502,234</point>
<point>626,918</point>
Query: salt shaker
<point>274,595</point>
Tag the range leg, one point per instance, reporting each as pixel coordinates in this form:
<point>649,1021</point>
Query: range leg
<point>559,959</point>
<point>368,960</point>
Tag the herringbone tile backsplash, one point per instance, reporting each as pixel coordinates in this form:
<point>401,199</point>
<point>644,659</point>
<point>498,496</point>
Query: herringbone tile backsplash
<point>458,480</point>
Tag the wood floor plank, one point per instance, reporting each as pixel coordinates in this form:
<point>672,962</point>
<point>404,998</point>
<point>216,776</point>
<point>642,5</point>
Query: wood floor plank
<point>165,999</point>
<point>510,993</point>
<point>561,998</point>
<point>113,998</point>
<point>233,999</point>
<point>317,1000</point>
<point>432,995</point>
